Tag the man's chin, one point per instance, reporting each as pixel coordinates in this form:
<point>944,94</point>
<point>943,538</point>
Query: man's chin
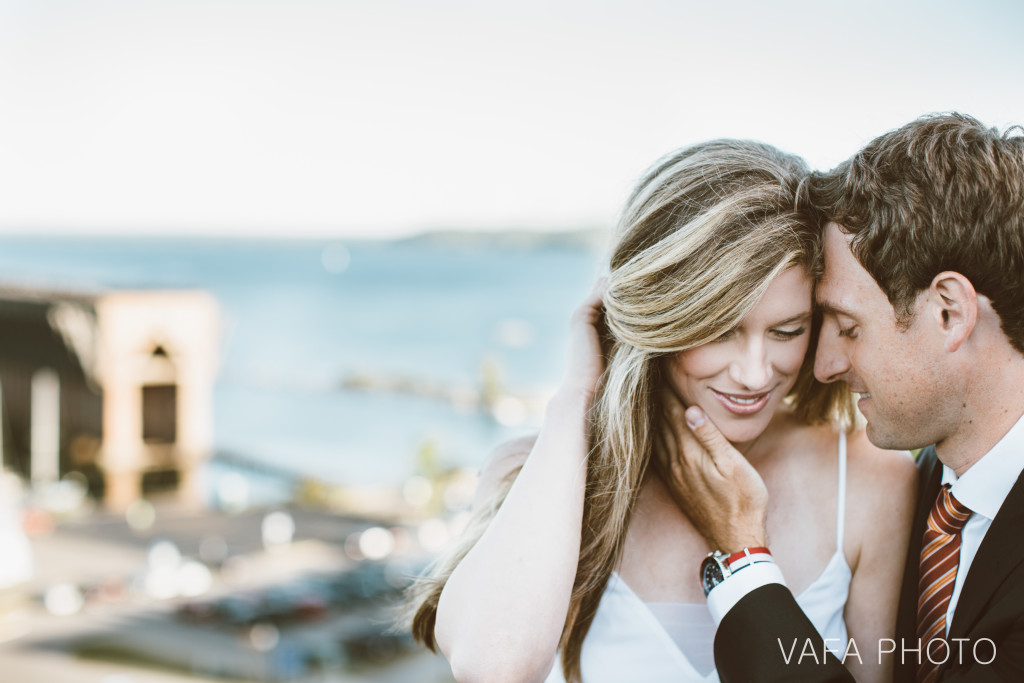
<point>884,437</point>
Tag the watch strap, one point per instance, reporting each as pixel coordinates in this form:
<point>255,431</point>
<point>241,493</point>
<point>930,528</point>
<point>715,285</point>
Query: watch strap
<point>746,552</point>
<point>747,557</point>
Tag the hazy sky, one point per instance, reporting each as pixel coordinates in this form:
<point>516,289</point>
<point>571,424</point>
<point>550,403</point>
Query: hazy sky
<point>336,117</point>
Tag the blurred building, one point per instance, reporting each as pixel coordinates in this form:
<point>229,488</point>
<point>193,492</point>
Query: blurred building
<point>116,386</point>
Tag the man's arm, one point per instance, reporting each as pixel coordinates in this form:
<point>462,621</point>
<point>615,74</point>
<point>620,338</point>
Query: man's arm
<point>766,638</point>
<point>763,635</point>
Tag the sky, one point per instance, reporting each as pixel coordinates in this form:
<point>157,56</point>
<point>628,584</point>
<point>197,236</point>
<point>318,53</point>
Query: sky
<point>344,118</point>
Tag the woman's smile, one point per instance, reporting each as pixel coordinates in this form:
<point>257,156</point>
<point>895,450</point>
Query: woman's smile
<point>742,404</point>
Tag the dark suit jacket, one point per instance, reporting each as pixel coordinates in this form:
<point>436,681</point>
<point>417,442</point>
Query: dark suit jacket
<point>755,637</point>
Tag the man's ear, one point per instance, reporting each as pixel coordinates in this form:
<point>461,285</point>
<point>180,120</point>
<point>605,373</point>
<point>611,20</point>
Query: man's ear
<point>955,307</point>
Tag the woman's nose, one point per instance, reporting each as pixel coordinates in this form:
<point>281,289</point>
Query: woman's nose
<point>752,369</point>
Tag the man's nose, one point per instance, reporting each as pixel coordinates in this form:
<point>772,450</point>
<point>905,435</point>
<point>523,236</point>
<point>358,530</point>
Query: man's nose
<point>830,361</point>
<point>752,369</point>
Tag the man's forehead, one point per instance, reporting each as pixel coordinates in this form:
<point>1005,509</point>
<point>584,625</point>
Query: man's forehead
<point>828,296</point>
<point>838,246</point>
<point>842,270</point>
<point>845,285</point>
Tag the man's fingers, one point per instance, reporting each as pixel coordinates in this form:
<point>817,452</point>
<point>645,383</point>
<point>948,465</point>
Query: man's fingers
<point>717,446</point>
<point>682,454</point>
<point>683,481</point>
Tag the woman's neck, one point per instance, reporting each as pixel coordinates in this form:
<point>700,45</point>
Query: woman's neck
<point>766,443</point>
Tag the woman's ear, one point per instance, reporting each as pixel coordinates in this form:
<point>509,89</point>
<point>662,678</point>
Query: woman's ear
<point>955,307</point>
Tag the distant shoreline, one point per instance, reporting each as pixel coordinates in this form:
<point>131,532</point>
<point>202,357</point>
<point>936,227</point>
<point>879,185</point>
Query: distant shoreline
<point>586,238</point>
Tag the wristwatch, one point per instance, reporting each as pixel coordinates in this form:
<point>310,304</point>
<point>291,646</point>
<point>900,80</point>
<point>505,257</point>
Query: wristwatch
<point>718,566</point>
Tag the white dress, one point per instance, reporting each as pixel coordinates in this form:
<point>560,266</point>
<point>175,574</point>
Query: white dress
<point>628,642</point>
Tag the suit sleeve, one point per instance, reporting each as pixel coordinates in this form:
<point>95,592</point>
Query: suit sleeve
<point>766,638</point>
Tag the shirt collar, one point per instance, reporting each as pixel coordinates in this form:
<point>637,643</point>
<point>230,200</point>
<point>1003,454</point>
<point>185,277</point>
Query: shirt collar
<point>986,483</point>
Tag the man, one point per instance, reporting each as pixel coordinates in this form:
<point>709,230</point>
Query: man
<point>923,303</point>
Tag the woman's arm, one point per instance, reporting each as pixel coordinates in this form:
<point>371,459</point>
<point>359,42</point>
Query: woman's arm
<point>882,490</point>
<point>501,613</point>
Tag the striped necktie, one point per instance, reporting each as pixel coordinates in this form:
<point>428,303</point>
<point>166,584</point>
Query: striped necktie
<point>940,557</point>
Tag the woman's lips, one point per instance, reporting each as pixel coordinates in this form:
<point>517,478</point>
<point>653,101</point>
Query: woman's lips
<point>740,404</point>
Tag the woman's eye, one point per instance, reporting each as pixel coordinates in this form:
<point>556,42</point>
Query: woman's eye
<point>725,335</point>
<point>790,334</point>
<point>849,332</point>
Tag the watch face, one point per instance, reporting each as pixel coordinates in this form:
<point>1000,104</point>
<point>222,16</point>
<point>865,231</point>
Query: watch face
<point>710,574</point>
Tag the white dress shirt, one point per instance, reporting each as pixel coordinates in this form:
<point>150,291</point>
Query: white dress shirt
<point>983,488</point>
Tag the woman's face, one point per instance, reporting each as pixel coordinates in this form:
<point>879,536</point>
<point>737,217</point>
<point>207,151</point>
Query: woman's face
<point>740,378</point>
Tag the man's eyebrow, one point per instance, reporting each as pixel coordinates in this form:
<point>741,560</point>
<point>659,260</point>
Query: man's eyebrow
<point>799,318</point>
<point>827,307</point>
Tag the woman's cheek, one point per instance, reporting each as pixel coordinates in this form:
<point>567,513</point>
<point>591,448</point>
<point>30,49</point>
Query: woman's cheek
<point>792,357</point>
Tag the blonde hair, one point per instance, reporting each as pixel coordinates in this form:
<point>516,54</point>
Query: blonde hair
<point>702,236</point>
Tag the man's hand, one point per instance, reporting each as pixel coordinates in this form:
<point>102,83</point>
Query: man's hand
<point>711,482</point>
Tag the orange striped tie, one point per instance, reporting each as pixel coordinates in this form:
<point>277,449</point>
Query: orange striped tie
<point>940,557</point>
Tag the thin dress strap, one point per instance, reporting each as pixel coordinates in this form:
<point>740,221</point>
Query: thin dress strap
<point>841,497</point>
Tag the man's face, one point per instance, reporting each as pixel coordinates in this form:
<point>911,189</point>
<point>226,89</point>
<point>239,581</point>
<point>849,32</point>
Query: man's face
<point>904,395</point>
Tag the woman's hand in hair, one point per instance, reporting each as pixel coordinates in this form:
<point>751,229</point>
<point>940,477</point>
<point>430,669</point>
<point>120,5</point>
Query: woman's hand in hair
<point>711,482</point>
<point>501,613</point>
<point>586,359</point>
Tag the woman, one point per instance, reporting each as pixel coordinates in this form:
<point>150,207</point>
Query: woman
<point>578,563</point>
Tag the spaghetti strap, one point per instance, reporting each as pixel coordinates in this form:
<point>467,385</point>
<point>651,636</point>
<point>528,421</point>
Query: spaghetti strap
<point>841,497</point>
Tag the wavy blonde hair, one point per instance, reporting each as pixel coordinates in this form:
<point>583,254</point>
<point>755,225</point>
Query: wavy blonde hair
<point>703,235</point>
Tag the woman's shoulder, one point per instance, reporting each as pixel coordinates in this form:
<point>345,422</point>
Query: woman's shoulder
<point>871,467</point>
<point>865,461</point>
<point>883,483</point>
<point>806,443</point>
<point>881,492</point>
<point>868,467</point>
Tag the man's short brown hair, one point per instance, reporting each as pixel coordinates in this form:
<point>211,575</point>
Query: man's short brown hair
<point>941,193</point>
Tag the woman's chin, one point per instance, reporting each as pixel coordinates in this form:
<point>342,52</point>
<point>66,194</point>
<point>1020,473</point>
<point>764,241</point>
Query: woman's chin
<point>741,430</point>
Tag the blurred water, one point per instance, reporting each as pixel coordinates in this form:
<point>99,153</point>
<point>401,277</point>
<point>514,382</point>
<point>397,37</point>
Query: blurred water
<point>301,316</point>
